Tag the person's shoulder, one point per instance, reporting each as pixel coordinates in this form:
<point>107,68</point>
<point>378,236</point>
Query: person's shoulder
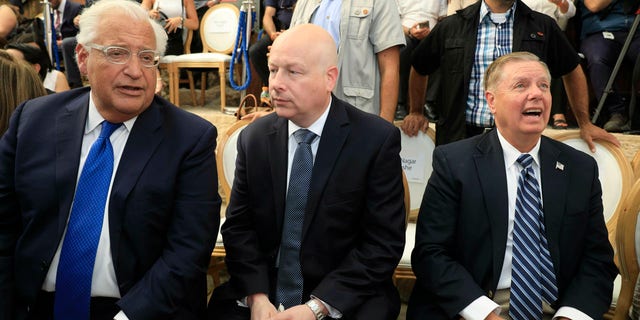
<point>567,151</point>
<point>180,117</point>
<point>360,118</point>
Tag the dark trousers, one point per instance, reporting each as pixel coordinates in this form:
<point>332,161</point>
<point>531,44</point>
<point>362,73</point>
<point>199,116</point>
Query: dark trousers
<point>258,56</point>
<point>101,308</point>
<point>601,55</point>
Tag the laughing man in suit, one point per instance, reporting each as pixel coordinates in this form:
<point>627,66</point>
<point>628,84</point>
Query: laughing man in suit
<point>158,224</point>
<point>352,235</point>
<point>465,232</point>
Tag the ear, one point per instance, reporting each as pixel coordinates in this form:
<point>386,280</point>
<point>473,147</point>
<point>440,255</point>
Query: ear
<point>332,77</point>
<point>82,56</point>
<point>491,101</point>
<point>37,67</point>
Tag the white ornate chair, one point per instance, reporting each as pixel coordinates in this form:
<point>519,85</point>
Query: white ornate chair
<point>616,178</point>
<point>218,30</point>
<point>226,153</point>
<point>628,249</point>
<point>416,157</point>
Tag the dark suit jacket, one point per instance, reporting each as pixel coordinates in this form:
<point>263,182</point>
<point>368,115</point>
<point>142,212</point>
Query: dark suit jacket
<point>71,10</point>
<point>163,209</point>
<point>353,233</point>
<point>451,46</point>
<point>461,232</point>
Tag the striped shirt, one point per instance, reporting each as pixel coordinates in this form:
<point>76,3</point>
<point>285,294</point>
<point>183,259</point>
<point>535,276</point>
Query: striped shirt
<point>495,39</point>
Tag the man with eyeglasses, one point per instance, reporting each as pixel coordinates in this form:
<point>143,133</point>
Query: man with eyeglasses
<point>108,194</point>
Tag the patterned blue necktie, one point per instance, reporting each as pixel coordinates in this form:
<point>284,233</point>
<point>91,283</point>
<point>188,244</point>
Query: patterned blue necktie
<point>78,253</point>
<point>289,285</point>
<point>532,275</point>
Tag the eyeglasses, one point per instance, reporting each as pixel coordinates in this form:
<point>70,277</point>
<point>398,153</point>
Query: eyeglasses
<point>120,55</point>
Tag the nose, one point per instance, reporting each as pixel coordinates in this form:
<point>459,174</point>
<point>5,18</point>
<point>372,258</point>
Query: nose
<point>134,67</point>
<point>275,81</point>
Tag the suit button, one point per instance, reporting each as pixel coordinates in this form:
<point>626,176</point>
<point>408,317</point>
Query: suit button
<point>490,294</point>
<point>43,265</point>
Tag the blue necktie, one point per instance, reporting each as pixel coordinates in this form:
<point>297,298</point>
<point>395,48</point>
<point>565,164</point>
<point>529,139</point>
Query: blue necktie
<point>78,253</point>
<point>532,275</point>
<point>289,285</point>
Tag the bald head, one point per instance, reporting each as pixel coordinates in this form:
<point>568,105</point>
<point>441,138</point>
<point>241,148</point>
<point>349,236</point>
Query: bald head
<point>315,42</point>
<point>302,73</point>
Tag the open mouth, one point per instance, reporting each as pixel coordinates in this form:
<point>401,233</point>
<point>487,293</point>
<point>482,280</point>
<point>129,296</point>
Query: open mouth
<point>532,113</point>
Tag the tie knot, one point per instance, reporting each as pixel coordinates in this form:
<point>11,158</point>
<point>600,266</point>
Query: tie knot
<point>108,128</point>
<point>525,160</point>
<point>304,136</point>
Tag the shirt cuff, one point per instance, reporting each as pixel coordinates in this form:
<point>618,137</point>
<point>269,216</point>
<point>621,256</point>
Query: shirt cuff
<point>243,302</point>
<point>333,312</point>
<point>480,308</point>
<point>120,316</point>
<point>571,313</point>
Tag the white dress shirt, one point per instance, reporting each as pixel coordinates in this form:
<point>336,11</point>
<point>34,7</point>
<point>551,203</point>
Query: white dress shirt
<point>103,281</point>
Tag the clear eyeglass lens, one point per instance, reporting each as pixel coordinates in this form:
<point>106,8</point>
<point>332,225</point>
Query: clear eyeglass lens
<point>119,55</point>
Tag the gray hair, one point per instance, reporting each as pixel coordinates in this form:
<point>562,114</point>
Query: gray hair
<point>493,75</point>
<point>128,10</point>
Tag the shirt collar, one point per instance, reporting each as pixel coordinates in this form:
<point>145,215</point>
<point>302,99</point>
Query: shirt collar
<point>94,118</point>
<point>315,127</point>
<point>485,11</point>
<point>511,154</point>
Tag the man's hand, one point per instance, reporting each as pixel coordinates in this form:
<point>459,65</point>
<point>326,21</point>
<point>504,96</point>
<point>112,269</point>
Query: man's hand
<point>419,33</point>
<point>413,123</point>
<point>261,307</point>
<point>299,312</point>
<point>590,132</point>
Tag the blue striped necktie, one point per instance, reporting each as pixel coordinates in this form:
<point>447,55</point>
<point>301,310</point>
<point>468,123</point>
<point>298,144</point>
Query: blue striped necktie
<point>532,275</point>
<point>78,253</point>
<point>290,281</point>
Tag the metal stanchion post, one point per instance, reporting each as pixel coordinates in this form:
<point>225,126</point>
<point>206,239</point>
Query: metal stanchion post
<point>616,68</point>
<point>242,47</point>
<point>48,34</point>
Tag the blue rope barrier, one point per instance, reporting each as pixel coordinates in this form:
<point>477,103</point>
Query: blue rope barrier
<point>242,47</point>
<point>54,44</point>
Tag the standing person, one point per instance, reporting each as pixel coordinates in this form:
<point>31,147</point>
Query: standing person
<point>109,204</point>
<point>417,18</point>
<point>18,82</point>
<point>316,226</point>
<point>276,18</point>
<point>512,202</point>
<point>173,15</point>
<point>560,11</point>
<point>464,44</point>
<point>605,27</point>
<point>368,37</point>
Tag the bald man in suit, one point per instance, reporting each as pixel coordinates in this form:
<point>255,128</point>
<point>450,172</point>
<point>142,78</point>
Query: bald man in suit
<point>352,235</point>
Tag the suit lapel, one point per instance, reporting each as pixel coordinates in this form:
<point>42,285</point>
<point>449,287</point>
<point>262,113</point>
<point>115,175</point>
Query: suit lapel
<point>70,125</point>
<point>489,161</point>
<point>554,188</point>
<point>278,142</point>
<point>144,138</point>
<point>335,132</point>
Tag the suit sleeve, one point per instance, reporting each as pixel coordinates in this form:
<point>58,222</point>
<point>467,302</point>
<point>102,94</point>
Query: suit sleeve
<point>190,238</point>
<point>10,225</point>
<point>434,258</point>
<point>590,284</point>
<point>372,261</point>
<point>246,263</point>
